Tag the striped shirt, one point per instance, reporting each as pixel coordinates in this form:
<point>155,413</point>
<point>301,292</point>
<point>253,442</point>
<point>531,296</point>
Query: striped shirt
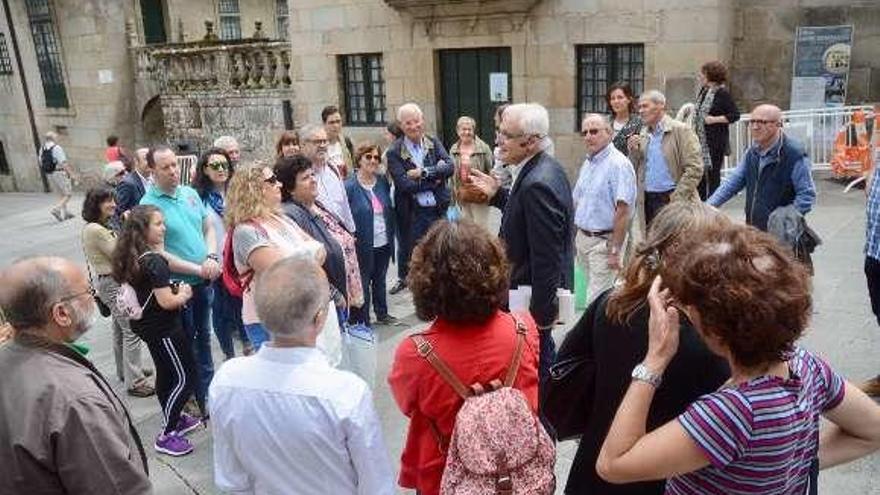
<point>872,226</point>
<point>762,435</point>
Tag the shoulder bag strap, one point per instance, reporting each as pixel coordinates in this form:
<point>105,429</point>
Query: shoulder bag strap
<point>513,368</point>
<point>426,350</point>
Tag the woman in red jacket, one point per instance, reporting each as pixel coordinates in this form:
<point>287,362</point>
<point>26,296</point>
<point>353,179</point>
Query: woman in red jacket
<point>459,278</point>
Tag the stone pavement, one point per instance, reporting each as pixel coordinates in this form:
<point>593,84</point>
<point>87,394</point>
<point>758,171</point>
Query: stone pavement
<point>843,331</point>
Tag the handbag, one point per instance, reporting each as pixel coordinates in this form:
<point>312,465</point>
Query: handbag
<point>102,308</point>
<point>359,351</point>
<point>567,398</point>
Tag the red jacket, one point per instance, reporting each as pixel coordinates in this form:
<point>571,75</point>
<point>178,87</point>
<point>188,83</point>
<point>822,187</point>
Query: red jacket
<point>476,353</point>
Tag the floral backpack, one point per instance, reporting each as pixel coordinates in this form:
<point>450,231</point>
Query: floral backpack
<point>498,446</point>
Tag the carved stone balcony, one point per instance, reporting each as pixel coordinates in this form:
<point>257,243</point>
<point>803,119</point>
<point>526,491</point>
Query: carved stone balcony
<point>247,66</point>
<point>434,10</point>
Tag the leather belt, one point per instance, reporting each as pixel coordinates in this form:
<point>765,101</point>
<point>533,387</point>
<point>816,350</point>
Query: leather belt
<point>596,233</point>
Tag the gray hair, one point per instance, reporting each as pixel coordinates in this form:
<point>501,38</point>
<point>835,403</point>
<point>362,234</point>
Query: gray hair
<point>29,289</point>
<point>654,95</point>
<point>307,131</point>
<point>606,122</point>
<point>408,108</point>
<point>464,119</point>
<point>225,142</point>
<point>532,119</point>
<point>289,294</point>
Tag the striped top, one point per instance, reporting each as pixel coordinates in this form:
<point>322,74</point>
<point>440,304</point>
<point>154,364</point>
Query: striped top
<point>762,435</point>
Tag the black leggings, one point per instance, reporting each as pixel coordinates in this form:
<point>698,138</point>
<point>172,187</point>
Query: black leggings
<point>175,375</point>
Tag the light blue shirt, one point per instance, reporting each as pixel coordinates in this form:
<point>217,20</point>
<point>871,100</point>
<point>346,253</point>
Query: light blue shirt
<point>184,215</point>
<point>657,176</point>
<point>605,178</point>
<point>416,150</point>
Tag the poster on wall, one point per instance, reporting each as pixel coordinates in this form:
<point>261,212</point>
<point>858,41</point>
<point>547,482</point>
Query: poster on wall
<point>821,66</point>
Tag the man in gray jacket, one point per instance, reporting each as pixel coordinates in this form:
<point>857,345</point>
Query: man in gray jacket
<point>62,428</point>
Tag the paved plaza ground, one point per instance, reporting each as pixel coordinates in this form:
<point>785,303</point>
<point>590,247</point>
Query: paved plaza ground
<point>843,331</point>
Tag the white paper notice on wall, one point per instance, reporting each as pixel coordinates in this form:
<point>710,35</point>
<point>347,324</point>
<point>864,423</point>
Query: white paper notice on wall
<point>498,86</point>
<point>105,76</point>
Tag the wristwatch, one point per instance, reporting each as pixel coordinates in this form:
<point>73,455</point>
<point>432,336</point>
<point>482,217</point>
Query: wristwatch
<point>213,256</point>
<point>643,374</point>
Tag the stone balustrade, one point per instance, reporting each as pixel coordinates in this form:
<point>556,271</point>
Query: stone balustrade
<point>247,65</point>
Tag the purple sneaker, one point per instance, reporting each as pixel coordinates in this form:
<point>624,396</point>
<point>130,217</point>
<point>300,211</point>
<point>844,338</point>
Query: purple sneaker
<point>173,444</point>
<point>187,423</point>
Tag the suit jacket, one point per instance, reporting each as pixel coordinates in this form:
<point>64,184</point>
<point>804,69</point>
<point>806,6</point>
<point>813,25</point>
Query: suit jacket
<point>362,211</point>
<point>128,192</point>
<point>437,164</point>
<point>538,228</point>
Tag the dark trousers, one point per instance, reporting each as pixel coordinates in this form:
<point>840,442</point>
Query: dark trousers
<point>374,287</point>
<point>872,274</point>
<point>226,318</point>
<point>546,359</point>
<point>423,219</point>
<point>711,177</point>
<point>403,217</point>
<point>175,375</point>
<point>654,201</point>
<point>197,324</point>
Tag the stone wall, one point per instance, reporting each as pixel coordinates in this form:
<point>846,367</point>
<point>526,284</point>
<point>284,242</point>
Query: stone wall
<point>91,38</point>
<point>764,47</point>
<point>256,121</point>
<point>191,16</point>
<point>678,35</point>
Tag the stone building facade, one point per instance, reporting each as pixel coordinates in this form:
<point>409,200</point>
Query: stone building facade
<point>140,68</point>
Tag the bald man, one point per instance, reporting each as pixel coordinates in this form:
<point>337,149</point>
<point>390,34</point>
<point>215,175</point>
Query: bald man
<point>775,171</point>
<point>62,428</point>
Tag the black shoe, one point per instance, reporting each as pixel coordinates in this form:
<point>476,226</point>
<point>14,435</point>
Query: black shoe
<point>387,320</point>
<point>398,287</point>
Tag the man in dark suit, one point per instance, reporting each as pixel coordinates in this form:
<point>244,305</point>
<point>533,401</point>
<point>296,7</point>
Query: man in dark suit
<point>538,220</point>
<point>420,166</point>
<point>133,186</point>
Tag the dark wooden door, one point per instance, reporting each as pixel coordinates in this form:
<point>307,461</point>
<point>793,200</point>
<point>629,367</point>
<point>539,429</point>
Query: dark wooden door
<point>153,15</point>
<point>465,77</point>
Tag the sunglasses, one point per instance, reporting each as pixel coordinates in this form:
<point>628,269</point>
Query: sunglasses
<point>271,180</point>
<point>218,165</point>
<point>591,132</point>
<point>372,157</point>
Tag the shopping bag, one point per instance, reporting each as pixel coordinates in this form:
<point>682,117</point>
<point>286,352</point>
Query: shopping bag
<point>359,351</point>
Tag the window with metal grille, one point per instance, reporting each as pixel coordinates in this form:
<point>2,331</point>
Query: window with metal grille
<point>363,88</point>
<point>4,165</point>
<point>281,19</point>
<point>5,61</point>
<point>40,17</point>
<point>230,20</point>
<point>599,66</point>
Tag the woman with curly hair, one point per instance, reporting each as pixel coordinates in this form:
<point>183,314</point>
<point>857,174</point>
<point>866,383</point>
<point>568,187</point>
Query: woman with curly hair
<point>98,242</point>
<point>714,111</point>
<point>612,336</point>
<point>138,261</point>
<point>759,433</point>
<point>261,235</point>
<point>459,276</point>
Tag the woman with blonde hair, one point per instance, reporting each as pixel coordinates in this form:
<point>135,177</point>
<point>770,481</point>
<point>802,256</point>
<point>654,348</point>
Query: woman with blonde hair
<point>611,338</point>
<point>261,235</point>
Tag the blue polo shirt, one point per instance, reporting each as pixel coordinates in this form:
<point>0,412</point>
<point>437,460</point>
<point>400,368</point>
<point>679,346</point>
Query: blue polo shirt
<point>657,176</point>
<point>184,215</point>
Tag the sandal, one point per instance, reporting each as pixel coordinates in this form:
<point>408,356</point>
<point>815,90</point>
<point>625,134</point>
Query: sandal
<point>142,390</point>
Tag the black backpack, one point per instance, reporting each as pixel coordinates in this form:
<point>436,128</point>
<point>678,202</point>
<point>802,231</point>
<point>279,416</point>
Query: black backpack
<point>47,160</point>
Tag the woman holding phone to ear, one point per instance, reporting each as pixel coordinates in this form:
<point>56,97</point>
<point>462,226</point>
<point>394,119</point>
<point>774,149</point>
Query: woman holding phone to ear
<point>750,301</point>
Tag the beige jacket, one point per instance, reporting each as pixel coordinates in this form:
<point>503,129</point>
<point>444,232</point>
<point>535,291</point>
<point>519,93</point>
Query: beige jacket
<point>62,428</point>
<point>681,148</point>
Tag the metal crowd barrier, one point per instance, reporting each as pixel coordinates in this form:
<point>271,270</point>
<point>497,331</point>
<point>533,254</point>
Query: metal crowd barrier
<point>816,128</point>
<point>187,164</point>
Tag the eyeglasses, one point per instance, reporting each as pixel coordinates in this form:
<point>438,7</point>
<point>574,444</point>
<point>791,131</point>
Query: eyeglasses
<point>591,132</point>
<point>218,165</point>
<point>764,122</point>
<point>372,157</point>
<point>90,291</point>
<point>271,180</point>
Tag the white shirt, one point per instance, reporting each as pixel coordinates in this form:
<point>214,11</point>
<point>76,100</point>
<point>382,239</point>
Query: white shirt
<point>284,421</point>
<point>331,193</point>
<point>515,169</point>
